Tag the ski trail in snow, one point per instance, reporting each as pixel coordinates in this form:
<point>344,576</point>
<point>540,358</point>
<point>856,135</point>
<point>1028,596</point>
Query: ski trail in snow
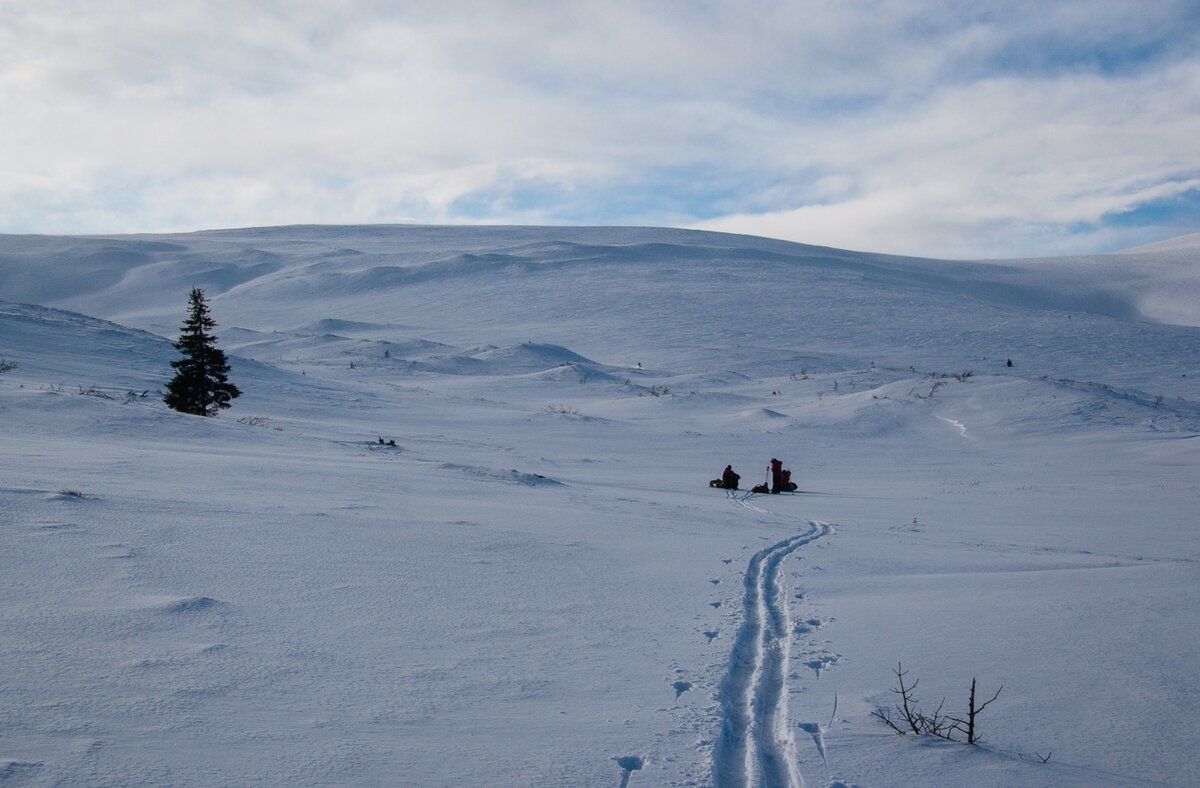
<point>744,500</point>
<point>755,746</point>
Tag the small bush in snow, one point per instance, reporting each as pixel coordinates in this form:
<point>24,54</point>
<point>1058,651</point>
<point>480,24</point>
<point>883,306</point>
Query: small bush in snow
<point>937,384</point>
<point>92,391</point>
<point>6,365</point>
<point>911,719</point>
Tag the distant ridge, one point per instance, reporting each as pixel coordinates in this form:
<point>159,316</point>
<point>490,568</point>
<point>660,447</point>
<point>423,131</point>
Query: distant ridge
<point>1182,243</point>
<point>139,279</point>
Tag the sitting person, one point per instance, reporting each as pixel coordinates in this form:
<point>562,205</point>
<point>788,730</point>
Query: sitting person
<point>728,481</point>
<point>730,478</point>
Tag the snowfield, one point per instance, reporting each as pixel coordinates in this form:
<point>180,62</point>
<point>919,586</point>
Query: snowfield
<point>535,585</point>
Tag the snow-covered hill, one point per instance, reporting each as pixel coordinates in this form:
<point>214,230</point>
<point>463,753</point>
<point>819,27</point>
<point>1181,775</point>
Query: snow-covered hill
<point>535,586</point>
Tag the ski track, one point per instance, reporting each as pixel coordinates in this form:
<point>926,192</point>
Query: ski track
<point>755,746</point>
<point>743,499</point>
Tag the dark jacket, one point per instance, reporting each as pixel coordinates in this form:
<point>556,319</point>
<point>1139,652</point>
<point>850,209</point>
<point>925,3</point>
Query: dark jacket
<point>730,478</point>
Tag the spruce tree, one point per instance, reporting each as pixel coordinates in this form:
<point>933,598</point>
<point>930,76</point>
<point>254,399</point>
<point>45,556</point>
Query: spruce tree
<point>201,384</point>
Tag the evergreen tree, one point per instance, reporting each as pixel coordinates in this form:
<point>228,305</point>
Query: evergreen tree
<point>201,384</point>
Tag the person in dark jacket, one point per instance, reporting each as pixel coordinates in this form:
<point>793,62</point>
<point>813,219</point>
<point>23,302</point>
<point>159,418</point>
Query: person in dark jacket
<point>729,478</point>
<point>776,475</point>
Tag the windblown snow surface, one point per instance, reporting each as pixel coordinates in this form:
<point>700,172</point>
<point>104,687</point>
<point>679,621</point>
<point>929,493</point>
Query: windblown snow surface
<point>535,585</point>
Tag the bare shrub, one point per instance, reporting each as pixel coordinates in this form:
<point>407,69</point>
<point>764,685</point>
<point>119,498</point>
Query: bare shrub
<point>92,391</point>
<point>911,719</point>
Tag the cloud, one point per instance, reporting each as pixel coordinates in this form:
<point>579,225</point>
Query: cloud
<point>924,127</point>
<point>991,168</point>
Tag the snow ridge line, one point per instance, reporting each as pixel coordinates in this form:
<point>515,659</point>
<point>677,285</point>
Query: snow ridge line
<point>755,746</point>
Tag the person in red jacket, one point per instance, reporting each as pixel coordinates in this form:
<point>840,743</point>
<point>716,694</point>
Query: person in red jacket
<point>776,475</point>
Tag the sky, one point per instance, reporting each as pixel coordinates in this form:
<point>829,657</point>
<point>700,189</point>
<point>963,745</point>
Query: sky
<point>935,128</point>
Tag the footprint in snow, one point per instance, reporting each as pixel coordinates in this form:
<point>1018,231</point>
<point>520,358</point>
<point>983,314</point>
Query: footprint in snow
<point>629,764</point>
<point>813,729</point>
<point>807,626</point>
<point>821,663</point>
<point>681,687</point>
<point>715,605</point>
<point>711,634</point>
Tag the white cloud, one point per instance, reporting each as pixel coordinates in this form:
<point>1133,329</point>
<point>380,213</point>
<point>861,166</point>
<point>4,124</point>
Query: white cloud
<point>1016,155</point>
<point>914,127</point>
